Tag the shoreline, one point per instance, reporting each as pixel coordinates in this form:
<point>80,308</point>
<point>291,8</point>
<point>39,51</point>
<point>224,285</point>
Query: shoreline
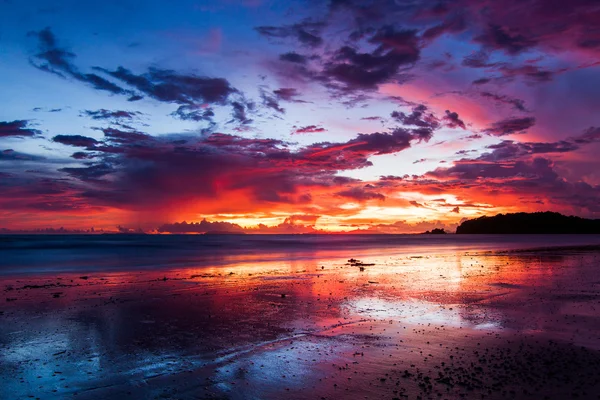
<point>281,328</point>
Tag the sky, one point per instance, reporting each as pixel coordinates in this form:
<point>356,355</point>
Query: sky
<point>267,116</point>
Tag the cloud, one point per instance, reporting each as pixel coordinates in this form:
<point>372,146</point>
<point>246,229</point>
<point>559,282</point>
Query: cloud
<point>417,204</point>
<point>173,87</point>
<point>427,121</point>
<point>591,135</point>
<point>160,84</point>
<point>193,113</point>
<point>17,128</point>
<point>510,126</point>
<point>271,101</point>
<point>91,173</point>
<point>80,155</point>
<point>477,59</point>
<point>239,112</point>
<point>517,104</point>
<point>59,61</point>
<point>527,179</point>
<point>287,94</point>
<point>131,170</point>
<point>350,69</point>
<point>75,140</point>
<point>306,33</point>
<point>293,57</point>
<point>418,117</point>
<point>360,194</point>
<point>104,114</point>
<point>373,118</point>
<point>451,120</point>
<point>497,37</point>
<point>309,129</point>
<point>11,155</point>
<point>508,149</point>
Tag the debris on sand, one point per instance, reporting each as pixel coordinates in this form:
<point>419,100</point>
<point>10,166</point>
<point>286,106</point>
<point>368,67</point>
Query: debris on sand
<point>353,262</point>
<point>48,285</point>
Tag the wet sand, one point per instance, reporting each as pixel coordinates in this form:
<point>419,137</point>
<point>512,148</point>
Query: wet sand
<point>443,326</point>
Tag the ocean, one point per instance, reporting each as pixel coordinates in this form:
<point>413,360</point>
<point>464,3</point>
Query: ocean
<point>287,316</point>
<point>24,254</point>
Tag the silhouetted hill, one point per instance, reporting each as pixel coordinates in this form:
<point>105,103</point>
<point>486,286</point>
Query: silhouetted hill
<point>435,231</point>
<point>539,222</point>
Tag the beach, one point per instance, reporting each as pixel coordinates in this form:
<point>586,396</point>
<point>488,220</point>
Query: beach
<point>288,316</point>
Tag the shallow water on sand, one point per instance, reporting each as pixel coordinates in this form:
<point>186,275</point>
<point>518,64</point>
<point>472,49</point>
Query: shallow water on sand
<point>457,323</point>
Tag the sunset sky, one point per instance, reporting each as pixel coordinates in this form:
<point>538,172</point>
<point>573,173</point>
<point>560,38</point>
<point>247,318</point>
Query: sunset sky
<point>383,116</point>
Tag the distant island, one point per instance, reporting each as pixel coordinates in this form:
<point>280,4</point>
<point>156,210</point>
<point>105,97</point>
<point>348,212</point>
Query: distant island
<point>538,222</point>
<point>435,231</point>
<point>224,233</point>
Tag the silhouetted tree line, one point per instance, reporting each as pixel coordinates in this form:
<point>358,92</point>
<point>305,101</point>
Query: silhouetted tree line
<point>538,222</point>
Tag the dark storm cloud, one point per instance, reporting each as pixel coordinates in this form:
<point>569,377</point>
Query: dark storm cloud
<point>75,140</point>
<point>351,69</point>
<point>17,128</point>
<point>90,173</point>
<point>510,126</point>
<point>173,87</point>
<point>130,169</point>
